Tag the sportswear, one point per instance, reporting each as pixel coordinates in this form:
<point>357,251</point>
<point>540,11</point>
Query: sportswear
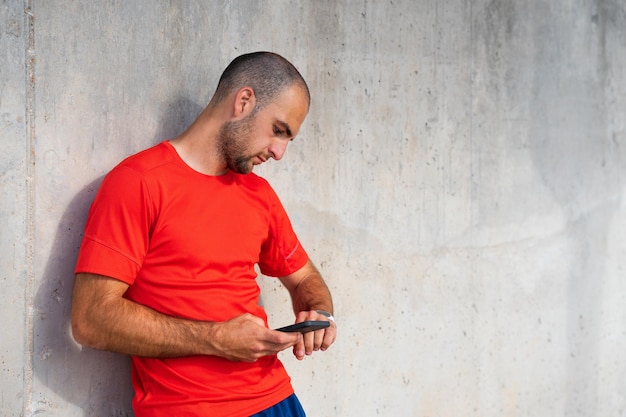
<point>289,407</point>
<point>187,245</point>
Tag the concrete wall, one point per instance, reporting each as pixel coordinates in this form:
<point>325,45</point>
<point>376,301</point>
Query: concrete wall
<point>459,181</point>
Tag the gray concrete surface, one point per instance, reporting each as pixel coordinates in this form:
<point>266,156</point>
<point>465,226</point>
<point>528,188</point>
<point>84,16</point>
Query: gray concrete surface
<point>459,181</point>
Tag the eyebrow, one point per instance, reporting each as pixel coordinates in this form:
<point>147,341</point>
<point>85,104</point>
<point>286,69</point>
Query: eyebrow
<point>285,126</point>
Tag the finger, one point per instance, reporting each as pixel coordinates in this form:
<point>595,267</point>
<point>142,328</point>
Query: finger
<point>308,343</point>
<point>299,349</point>
<point>318,339</point>
<point>273,342</point>
<point>282,340</point>
<point>329,337</point>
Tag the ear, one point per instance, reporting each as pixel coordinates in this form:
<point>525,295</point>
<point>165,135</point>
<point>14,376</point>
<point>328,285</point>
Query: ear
<point>245,100</point>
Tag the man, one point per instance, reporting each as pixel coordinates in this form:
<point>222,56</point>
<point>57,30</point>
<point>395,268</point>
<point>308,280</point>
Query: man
<point>166,268</point>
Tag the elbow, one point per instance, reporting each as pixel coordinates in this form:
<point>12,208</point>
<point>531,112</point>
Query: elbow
<point>82,332</point>
<point>79,331</point>
<point>93,303</point>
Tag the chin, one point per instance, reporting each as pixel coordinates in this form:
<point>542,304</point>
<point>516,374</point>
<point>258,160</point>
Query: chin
<point>244,170</point>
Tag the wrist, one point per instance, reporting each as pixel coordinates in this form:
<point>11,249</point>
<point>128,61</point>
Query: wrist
<point>326,314</point>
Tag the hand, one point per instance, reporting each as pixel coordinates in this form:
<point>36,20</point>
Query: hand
<point>245,338</point>
<point>317,340</point>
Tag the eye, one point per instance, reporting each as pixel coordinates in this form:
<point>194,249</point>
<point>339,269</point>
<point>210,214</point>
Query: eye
<point>278,131</point>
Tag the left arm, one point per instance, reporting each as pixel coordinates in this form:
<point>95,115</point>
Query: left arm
<point>309,293</point>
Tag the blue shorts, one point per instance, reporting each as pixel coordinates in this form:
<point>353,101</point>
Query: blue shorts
<point>289,407</point>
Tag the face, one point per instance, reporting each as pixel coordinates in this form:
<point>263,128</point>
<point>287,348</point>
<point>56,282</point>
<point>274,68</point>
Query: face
<point>258,137</point>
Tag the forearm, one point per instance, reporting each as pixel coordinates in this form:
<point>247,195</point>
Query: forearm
<point>311,293</point>
<point>130,328</point>
<point>111,322</point>
<point>103,319</point>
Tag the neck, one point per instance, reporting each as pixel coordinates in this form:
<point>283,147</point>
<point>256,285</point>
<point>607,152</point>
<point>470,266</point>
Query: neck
<point>198,146</point>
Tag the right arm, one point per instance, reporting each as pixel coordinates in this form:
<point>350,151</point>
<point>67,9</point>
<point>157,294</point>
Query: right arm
<point>103,319</point>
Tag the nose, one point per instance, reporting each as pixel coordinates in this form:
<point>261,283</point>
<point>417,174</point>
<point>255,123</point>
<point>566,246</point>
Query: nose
<point>277,149</point>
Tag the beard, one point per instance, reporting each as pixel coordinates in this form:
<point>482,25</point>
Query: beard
<point>233,138</point>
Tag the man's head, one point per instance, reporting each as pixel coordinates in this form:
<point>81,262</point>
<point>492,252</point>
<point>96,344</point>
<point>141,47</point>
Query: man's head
<point>269,100</point>
<point>267,73</point>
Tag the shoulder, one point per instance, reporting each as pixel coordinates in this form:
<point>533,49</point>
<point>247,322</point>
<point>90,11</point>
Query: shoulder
<point>253,181</point>
<point>149,165</point>
<point>148,159</point>
<point>258,188</point>
<point>261,191</point>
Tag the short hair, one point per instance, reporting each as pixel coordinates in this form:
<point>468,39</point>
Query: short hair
<point>267,73</point>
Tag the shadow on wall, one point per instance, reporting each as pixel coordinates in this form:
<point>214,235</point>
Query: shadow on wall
<point>96,382</point>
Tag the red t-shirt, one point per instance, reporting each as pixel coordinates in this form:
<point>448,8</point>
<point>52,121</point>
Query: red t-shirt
<point>187,243</point>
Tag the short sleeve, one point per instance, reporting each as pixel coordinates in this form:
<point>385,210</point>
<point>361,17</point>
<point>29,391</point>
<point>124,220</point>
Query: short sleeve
<point>117,232</point>
<point>281,253</point>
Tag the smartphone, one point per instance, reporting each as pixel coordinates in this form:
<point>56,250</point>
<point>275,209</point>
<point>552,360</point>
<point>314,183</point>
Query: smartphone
<point>305,326</point>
